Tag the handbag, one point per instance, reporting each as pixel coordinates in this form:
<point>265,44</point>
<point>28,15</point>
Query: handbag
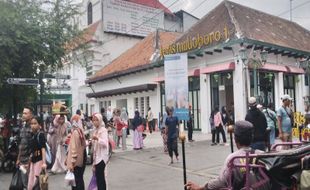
<point>93,183</point>
<point>17,182</point>
<point>69,179</point>
<point>43,180</point>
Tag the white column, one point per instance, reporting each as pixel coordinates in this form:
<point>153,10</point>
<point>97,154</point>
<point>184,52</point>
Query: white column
<point>240,98</point>
<point>279,89</point>
<point>130,106</point>
<point>157,106</point>
<point>299,93</point>
<point>205,102</point>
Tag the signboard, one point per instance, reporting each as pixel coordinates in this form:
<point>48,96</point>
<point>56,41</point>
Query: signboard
<point>131,18</point>
<point>23,81</point>
<point>62,87</point>
<point>56,76</point>
<point>176,84</point>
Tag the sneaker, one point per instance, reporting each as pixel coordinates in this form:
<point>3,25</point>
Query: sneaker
<point>226,144</point>
<point>213,144</point>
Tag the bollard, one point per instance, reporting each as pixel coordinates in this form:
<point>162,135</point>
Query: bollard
<point>124,136</point>
<point>231,130</point>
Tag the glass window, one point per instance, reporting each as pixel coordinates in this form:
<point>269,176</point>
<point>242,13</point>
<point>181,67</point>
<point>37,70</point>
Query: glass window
<point>306,80</point>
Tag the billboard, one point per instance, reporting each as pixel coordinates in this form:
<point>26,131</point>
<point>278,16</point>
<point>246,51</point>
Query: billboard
<point>176,84</point>
<point>124,17</point>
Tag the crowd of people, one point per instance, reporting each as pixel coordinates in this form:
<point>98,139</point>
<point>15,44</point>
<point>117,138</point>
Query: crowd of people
<point>68,139</point>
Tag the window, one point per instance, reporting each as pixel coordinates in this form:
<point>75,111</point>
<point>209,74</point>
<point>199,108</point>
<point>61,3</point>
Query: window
<point>81,106</point>
<point>289,87</point>
<point>147,102</point>
<point>142,106</point>
<point>136,104</point>
<point>101,105</point>
<point>89,13</point>
<point>306,80</point>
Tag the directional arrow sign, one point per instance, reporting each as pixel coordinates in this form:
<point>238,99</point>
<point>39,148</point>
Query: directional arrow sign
<point>58,88</point>
<point>56,76</point>
<point>23,81</point>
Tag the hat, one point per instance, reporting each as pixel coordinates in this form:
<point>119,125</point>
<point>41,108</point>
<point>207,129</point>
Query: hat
<point>243,128</point>
<point>252,101</point>
<point>286,97</point>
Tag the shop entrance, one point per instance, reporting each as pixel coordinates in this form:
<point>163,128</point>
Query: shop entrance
<point>222,92</point>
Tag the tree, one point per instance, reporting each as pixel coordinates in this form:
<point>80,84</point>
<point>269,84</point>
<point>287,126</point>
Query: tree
<point>33,37</point>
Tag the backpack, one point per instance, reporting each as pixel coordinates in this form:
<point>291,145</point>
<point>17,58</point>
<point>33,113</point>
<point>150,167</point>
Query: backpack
<point>48,154</point>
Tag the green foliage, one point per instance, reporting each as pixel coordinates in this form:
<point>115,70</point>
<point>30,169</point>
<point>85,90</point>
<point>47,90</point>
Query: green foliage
<point>33,35</point>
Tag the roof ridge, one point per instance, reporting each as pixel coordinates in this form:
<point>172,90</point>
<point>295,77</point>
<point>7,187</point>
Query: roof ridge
<point>262,12</point>
<point>239,32</point>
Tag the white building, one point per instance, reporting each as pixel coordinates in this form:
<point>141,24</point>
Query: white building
<point>218,75</point>
<point>110,28</point>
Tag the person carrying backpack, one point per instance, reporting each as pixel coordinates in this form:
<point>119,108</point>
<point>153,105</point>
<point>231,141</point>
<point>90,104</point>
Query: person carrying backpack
<point>38,158</point>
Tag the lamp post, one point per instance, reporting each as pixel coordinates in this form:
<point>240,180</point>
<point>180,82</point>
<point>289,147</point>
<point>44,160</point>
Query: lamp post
<point>254,62</point>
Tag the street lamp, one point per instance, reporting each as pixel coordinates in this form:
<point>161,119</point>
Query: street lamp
<point>254,62</point>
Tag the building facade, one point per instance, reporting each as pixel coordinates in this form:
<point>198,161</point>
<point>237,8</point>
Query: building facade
<point>225,66</point>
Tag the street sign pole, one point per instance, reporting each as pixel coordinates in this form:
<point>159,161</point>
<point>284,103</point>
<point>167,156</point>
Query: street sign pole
<point>41,97</point>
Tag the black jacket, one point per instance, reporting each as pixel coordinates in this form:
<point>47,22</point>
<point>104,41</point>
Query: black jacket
<point>258,119</point>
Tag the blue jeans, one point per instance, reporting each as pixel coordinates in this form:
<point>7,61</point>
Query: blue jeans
<point>258,146</point>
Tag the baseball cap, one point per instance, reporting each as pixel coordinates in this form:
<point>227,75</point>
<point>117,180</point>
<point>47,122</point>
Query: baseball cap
<point>286,97</point>
<point>252,101</point>
<point>243,128</point>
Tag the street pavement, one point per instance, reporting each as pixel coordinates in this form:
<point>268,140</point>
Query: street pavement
<point>149,168</point>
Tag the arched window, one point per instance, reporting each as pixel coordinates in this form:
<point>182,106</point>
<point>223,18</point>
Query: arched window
<point>89,13</point>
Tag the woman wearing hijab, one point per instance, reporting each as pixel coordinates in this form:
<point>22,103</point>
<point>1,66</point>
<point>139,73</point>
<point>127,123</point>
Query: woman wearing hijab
<point>124,118</point>
<point>138,129</point>
<point>61,134</point>
<point>118,125</point>
<point>100,151</point>
<point>76,158</point>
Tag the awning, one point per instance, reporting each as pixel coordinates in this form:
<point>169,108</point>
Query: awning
<point>282,68</point>
<point>218,68</point>
<point>120,91</point>
<point>191,73</point>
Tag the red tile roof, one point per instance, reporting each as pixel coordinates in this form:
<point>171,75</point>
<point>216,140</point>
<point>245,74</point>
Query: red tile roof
<point>137,56</point>
<point>152,3</point>
<point>86,36</point>
<point>247,23</point>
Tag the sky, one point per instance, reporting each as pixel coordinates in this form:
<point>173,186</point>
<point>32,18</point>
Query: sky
<point>199,8</point>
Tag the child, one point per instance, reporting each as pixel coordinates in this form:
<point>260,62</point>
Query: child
<point>37,161</point>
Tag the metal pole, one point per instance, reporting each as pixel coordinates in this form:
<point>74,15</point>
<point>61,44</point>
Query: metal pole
<point>291,10</point>
<point>255,81</point>
<point>41,96</point>
<point>184,163</point>
<point>231,142</point>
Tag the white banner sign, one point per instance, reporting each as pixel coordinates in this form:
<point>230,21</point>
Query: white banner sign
<point>176,84</point>
<point>130,18</point>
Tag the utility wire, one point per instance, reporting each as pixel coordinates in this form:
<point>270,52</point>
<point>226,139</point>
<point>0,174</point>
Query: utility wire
<point>300,5</point>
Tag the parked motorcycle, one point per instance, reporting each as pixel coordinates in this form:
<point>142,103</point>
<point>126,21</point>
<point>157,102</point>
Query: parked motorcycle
<point>9,161</point>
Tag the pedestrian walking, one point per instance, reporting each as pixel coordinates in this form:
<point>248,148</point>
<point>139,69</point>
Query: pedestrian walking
<point>104,117</point>
<point>150,120</point>
<point>213,128</point>
<point>119,125</point>
<point>271,118</point>
<point>38,160</point>
<point>100,151</point>
<point>258,119</point>
<point>163,131</point>
<point>172,124</point>
<point>285,121</point>
<point>190,124</point>
<point>219,126</point>
<point>25,144</point>
<point>60,131</point>
<point>137,127</point>
<point>76,158</point>
<point>225,117</point>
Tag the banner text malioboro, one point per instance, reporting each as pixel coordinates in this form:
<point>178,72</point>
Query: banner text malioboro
<point>195,42</point>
